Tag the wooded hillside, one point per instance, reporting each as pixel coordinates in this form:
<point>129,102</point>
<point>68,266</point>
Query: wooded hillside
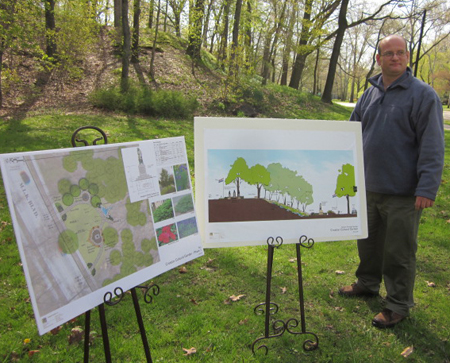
<point>67,48</point>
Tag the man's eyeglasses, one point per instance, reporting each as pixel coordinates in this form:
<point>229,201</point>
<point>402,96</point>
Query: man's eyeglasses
<point>399,54</point>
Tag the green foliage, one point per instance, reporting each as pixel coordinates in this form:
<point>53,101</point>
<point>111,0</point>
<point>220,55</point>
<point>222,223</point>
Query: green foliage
<point>163,212</point>
<point>161,103</point>
<point>184,204</point>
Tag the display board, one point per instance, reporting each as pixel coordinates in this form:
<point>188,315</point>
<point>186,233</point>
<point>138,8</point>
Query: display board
<point>260,178</point>
<point>88,220</point>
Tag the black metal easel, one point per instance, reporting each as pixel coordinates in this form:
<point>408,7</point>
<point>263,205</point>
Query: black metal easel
<point>269,308</point>
<point>109,298</point>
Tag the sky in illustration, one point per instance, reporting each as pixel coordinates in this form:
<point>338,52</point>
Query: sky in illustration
<point>320,168</point>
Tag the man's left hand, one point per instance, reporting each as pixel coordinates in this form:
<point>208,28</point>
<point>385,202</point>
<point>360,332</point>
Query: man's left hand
<point>422,203</point>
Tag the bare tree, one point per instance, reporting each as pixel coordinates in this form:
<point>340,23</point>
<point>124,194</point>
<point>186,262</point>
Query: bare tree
<point>126,48</point>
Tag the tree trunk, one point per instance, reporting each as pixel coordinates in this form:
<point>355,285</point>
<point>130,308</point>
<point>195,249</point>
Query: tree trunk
<point>50,28</point>
<point>265,73</point>
<point>151,10</point>
<point>152,60</point>
<point>117,14</point>
<point>206,23</point>
<point>300,57</point>
<point>342,21</point>
<point>248,36</point>
<point>222,56</point>
<point>126,48</point>
<point>234,66</point>
<point>195,33</point>
<point>136,31</point>
<point>316,68</point>
<point>287,47</point>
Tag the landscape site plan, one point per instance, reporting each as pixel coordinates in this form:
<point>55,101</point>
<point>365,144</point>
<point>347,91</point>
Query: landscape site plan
<point>88,220</point>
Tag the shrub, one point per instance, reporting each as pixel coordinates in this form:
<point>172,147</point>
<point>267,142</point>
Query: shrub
<point>142,100</point>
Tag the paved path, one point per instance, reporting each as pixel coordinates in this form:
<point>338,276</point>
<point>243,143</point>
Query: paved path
<point>446,113</point>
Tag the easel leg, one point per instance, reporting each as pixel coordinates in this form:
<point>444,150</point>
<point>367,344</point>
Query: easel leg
<point>87,333</point>
<point>141,325</point>
<point>300,288</point>
<point>101,309</point>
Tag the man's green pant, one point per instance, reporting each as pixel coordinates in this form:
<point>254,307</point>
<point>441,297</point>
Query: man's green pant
<point>389,252</point>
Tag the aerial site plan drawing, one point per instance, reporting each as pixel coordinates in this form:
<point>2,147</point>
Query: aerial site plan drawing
<point>88,220</point>
<point>261,178</point>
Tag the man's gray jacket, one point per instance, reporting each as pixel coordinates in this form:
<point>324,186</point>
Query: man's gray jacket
<point>403,137</point>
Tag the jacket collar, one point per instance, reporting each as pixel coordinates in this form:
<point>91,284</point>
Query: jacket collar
<point>404,81</point>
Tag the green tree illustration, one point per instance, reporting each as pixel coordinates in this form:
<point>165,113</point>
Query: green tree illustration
<point>345,184</point>
<point>259,176</point>
<point>239,170</point>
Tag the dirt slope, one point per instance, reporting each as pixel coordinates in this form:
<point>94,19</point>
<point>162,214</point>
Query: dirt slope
<point>35,91</point>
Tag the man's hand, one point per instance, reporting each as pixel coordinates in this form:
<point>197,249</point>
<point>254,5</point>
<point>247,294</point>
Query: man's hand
<point>422,203</point>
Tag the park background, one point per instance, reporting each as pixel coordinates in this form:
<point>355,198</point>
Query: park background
<point>143,70</point>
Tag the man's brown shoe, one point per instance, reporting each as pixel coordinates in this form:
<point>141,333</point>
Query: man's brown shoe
<point>387,319</point>
<point>355,290</point>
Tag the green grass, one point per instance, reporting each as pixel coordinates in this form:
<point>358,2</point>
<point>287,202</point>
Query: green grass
<point>193,308</point>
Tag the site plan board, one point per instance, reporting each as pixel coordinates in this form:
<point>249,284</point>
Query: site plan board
<point>88,220</point>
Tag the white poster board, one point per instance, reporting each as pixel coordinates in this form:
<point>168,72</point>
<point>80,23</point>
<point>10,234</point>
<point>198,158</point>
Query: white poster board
<point>88,220</point>
<point>261,178</point>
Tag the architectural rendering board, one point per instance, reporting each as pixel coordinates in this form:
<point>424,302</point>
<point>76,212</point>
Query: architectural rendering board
<point>88,220</point>
<point>260,178</point>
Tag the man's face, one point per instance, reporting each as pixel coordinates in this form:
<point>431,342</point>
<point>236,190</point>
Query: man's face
<point>394,57</point>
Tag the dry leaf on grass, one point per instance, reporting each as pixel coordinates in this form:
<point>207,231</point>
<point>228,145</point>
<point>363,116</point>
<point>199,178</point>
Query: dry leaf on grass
<point>283,290</point>
<point>76,335</point>
<point>407,351</point>
<point>32,352</point>
<point>431,284</point>
<point>56,330</point>
<point>244,321</point>
<point>339,272</point>
<point>182,270</point>
<point>236,298</point>
<point>190,351</point>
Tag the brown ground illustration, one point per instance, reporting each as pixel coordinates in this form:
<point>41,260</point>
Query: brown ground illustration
<point>246,210</point>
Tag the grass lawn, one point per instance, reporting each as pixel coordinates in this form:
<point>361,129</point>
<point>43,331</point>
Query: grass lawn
<point>194,309</point>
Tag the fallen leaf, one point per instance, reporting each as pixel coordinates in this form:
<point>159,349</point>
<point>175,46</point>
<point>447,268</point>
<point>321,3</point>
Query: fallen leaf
<point>56,330</point>
<point>182,270</point>
<point>339,272</point>
<point>194,302</point>
<point>244,321</point>
<point>431,284</point>
<point>190,351</point>
<point>26,341</point>
<point>292,260</point>
<point>236,298</point>
<point>338,308</point>
<point>32,352</point>
<point>407,351</point>
<point>448,220</point>
<point>76,335</point>
<point>283,290</point>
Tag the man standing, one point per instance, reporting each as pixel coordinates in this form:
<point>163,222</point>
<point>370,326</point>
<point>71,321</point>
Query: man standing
<point>403,142</point>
